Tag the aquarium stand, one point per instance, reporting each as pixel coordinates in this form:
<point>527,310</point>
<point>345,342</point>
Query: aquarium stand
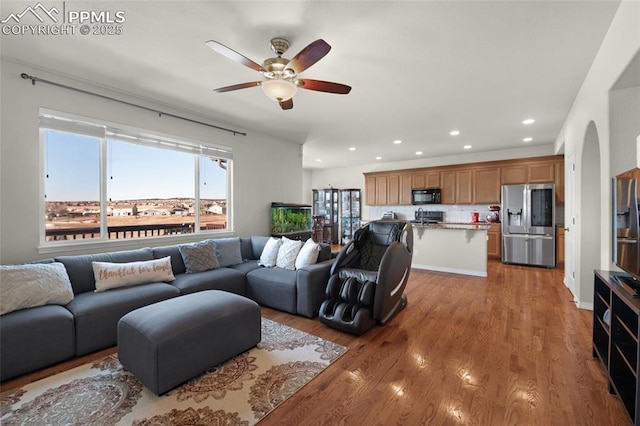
<point>298,236</point>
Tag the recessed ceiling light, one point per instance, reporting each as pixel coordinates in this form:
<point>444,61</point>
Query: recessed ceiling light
<point>454,132</point>
<point>527,139</point>
<point>418,152</point>
<point>353,148</point>
<point>397,142</point>
<point>467,147</point>
<point>318,159</point>
<point>528,121</point>
<point>378,158</point>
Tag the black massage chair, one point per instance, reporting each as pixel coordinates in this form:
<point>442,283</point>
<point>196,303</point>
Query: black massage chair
<point>369,276</point>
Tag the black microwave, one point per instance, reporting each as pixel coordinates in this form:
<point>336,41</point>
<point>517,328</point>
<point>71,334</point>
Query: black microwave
<point>425,196</point>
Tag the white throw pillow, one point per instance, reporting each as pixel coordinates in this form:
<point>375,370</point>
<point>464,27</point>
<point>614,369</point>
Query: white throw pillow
<point>37,284</point>
<point>308,254</point>
<point>287,253</point>
<point>113,275</point>
<point>270,253</point>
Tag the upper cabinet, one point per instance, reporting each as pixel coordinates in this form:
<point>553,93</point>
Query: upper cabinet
<point>464,187</point>
<point>514,174</point>
<point>448,187</point>
<point>475,183</point>
<point>541,173</point>
<point>418,180</point>
<point>433,179</point>
<point>486,186</point>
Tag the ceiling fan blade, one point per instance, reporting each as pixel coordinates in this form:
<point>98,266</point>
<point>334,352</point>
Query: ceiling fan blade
<point>324,86</point>
<point>237,86</point>
<point>309,56</point>
<point>233,55</point>
<point>288,104</point>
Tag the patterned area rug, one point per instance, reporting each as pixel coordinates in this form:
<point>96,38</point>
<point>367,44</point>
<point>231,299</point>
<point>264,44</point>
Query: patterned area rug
<point>238,392</point>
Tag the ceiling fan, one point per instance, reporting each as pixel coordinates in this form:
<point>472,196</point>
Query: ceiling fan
<point>281,75</point>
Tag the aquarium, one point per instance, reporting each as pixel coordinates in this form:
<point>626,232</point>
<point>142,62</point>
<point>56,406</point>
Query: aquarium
<point>291,219</point>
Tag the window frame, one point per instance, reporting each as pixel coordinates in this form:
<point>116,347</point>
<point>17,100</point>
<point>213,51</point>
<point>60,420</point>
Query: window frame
<point>70,122</point>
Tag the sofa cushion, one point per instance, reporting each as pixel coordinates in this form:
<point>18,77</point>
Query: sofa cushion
<point>246,266</point>
<point>113,275</point>
<point>199,257</point>
<point>287,253</point>
<point>35,338</point>
<point>177,264</point>
<point>28,286</point>
<point>246,249</point>
<point>269,254</point>
<point>80,270</point>
<point>273,287</point>
<point>97,314</point>
<point>226,279</point>
<point>308,254</point>
<point>325,252</point>
<point>228,251</point>
<point>257,243</point>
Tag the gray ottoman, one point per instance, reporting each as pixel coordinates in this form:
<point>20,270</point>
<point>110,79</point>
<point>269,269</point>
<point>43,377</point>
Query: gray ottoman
<point>170,342</point>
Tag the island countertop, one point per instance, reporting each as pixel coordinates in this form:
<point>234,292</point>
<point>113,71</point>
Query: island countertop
<point>454,225</point>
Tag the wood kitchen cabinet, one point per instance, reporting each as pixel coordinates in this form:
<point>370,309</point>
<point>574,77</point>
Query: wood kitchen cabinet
<point>512,175</point>
<point>559,181</point>
<point>473,183</point>
<point>433,179</point>
<point>418,180</point>
<point>486,186</point>
<point>494,242</point>
<point>406,184</point>
<point>370,191</point>
<point>464,187</point>
<point>448,188</point>
<point>393,190</point>
<point>559,246</point>
<point>381,191</point>
<point>541,173</point>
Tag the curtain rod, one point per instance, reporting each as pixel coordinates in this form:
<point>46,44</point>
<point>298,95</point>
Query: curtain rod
<point>160,113</point>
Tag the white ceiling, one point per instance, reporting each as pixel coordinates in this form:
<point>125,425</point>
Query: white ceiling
<point>418,68</point>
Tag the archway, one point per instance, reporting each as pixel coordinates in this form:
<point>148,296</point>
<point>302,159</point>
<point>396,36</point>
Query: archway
<point>589,216</point>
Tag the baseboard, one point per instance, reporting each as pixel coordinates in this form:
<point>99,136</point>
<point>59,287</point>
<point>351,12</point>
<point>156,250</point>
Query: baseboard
<point>450,270</point>
<point>584,305</point>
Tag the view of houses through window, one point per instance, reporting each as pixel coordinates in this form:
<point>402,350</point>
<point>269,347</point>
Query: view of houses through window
<point>142,188</point>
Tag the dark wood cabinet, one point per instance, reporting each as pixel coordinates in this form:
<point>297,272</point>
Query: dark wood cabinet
<point>615,338</point>
<point>326,204</point>
<point>349,213</point>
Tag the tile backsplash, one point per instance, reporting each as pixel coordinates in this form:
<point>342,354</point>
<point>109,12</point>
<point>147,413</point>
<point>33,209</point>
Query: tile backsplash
<point>452,213</point>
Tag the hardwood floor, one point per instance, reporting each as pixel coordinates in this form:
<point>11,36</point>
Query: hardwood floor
<point>508,349</point>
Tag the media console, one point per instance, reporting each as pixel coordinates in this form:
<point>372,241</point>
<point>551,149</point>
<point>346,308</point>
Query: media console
<point>615,338</point>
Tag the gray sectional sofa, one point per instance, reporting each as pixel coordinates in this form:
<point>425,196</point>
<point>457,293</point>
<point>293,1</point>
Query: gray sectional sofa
<point>34,338</point>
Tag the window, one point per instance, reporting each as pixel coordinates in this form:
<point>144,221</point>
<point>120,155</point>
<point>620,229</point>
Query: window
<point>103,182</point>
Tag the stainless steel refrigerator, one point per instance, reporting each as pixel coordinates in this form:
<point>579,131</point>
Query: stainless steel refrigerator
<point>627,225</point>
<point>528,224</point>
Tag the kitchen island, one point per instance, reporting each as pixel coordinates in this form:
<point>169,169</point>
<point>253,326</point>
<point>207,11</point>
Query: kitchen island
<point>459,248</point>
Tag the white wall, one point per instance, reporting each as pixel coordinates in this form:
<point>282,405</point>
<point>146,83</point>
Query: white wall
<point>265,169</point>
<point>592,105</point>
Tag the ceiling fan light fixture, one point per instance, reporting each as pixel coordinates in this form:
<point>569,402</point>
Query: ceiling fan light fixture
<point>279,90</point>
